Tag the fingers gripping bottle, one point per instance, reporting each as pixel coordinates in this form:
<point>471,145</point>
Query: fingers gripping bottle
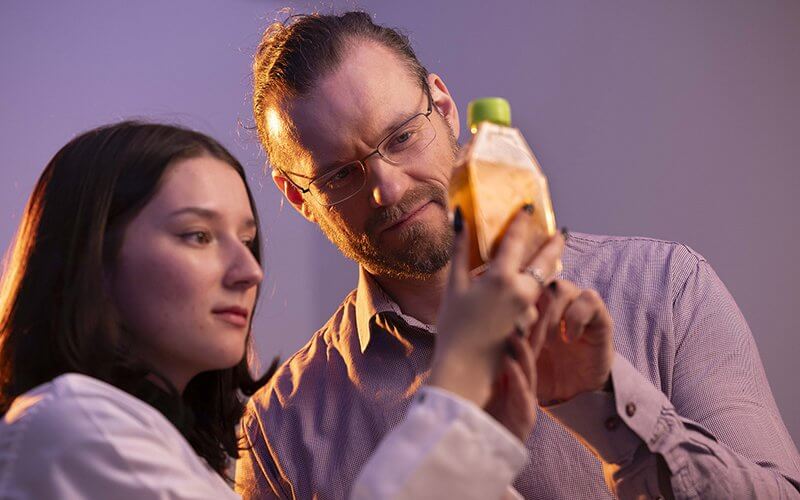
<point>495,175</point>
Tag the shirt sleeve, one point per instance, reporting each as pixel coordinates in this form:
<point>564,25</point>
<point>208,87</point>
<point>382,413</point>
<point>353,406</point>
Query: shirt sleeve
<point>719,435</point>
<point>446,447</point>
<point>106,451</point>
<point>257,475</point>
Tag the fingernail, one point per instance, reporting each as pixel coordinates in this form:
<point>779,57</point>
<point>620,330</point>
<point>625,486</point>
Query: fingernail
<point>510,351</point>
<point>528,207</point>
<point>553,286</point>
<point>458,220</point>
<point>564,232</point>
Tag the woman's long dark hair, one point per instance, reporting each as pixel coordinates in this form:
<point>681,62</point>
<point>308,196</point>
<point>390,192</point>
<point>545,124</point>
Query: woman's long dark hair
<point>55,315</point>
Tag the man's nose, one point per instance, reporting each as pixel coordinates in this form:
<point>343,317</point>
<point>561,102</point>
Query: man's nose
<point>388,182</point>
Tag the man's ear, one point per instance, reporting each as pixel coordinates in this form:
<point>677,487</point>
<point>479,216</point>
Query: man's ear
<point>293,195</point>
<point>444,102</point>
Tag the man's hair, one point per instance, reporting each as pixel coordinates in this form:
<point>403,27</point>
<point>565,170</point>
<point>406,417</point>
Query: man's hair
<point>293,55</point>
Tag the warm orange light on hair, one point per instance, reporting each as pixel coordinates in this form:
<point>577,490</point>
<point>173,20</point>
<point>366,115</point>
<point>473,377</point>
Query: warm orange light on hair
<point>18,254</point>
<point>274,123</point>
<point>285,151</point>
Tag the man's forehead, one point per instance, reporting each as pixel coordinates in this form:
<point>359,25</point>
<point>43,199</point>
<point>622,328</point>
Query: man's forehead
<point>370,89</point>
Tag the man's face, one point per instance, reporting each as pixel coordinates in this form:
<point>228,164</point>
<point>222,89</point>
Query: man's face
<point>397,225</point>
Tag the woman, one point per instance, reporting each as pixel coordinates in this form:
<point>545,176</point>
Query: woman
<point>125,313</point>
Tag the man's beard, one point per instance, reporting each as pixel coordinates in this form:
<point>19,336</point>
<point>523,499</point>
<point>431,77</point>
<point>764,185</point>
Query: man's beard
<point>423,250</point>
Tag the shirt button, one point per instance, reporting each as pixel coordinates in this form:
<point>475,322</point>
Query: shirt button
<point>630,409</point>
<point>612,423</point>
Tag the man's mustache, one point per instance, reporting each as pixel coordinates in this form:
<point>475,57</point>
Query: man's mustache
<point>386,216</point>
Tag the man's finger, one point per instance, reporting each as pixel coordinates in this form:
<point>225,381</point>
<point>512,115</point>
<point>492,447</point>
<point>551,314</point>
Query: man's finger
<point>586,313</point>
<point>560,296</point>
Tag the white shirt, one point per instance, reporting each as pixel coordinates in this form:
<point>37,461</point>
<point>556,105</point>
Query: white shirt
<point>77,437</point>
<point>445,447</point>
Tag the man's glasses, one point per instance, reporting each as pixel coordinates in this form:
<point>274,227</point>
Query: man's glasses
<point>398,148</point>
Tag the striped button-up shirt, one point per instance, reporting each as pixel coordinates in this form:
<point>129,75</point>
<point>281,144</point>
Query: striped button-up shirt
<point>691,409</point>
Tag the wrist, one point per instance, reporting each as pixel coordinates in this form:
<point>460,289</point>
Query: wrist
<point>469,379</point>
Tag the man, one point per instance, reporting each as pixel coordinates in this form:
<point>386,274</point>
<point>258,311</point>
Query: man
<point>687,410</point>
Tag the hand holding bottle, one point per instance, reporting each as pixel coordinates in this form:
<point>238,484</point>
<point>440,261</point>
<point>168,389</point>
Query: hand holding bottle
<point>479,315</point>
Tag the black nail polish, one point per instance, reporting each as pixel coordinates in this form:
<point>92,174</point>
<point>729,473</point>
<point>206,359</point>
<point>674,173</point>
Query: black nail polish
<point>510,351</point>
<point>528,207</point>
<point>458,220</point>
<point>553,286</point>
<point>565,232</point>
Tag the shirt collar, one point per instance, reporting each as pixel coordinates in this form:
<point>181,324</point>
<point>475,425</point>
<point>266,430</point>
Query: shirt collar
<point>371,300</point>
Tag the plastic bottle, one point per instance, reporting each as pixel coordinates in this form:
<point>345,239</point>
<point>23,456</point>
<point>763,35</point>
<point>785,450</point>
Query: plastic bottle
<point>496,174</point>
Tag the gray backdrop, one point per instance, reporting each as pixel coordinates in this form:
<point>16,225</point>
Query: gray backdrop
<point>672,119</point>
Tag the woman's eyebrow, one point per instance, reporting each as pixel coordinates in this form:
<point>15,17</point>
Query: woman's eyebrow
<point>207,213</point>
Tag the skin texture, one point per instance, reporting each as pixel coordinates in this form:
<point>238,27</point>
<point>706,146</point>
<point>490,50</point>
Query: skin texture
<point>193,235</point>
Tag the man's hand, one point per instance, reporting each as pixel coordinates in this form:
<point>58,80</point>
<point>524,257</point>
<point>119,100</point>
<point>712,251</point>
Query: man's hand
<point>578,348</point>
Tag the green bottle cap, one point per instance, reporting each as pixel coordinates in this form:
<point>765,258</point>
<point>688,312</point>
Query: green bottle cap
<point>488,109</point>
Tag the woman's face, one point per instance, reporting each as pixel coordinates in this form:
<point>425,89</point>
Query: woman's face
<point>185,279</point>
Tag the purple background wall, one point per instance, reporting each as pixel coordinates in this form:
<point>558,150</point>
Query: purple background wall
<point>677,120</point>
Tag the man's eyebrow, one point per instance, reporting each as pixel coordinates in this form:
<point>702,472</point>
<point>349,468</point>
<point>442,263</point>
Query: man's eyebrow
<point>398,121</point>
<point>391,127</point>
<point>207,213</point>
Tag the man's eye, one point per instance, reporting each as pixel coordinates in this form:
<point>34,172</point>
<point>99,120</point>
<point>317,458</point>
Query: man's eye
<point>340,177</point>
<point>402,137</point>
<point>341,174</point>
<point>402,140</point>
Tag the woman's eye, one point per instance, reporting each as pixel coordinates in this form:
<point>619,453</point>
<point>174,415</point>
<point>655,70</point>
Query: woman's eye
<point>198,237</point>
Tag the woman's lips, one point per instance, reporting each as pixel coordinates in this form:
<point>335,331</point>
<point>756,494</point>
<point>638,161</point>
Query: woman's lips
<point>236,316</point>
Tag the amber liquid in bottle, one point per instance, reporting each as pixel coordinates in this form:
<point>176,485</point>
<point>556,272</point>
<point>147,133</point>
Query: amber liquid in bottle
<point>495,176</point>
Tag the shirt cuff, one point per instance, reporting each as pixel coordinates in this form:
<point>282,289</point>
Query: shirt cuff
<point>449,407</point>
<point>614,425</point>
<point>446,447</point>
